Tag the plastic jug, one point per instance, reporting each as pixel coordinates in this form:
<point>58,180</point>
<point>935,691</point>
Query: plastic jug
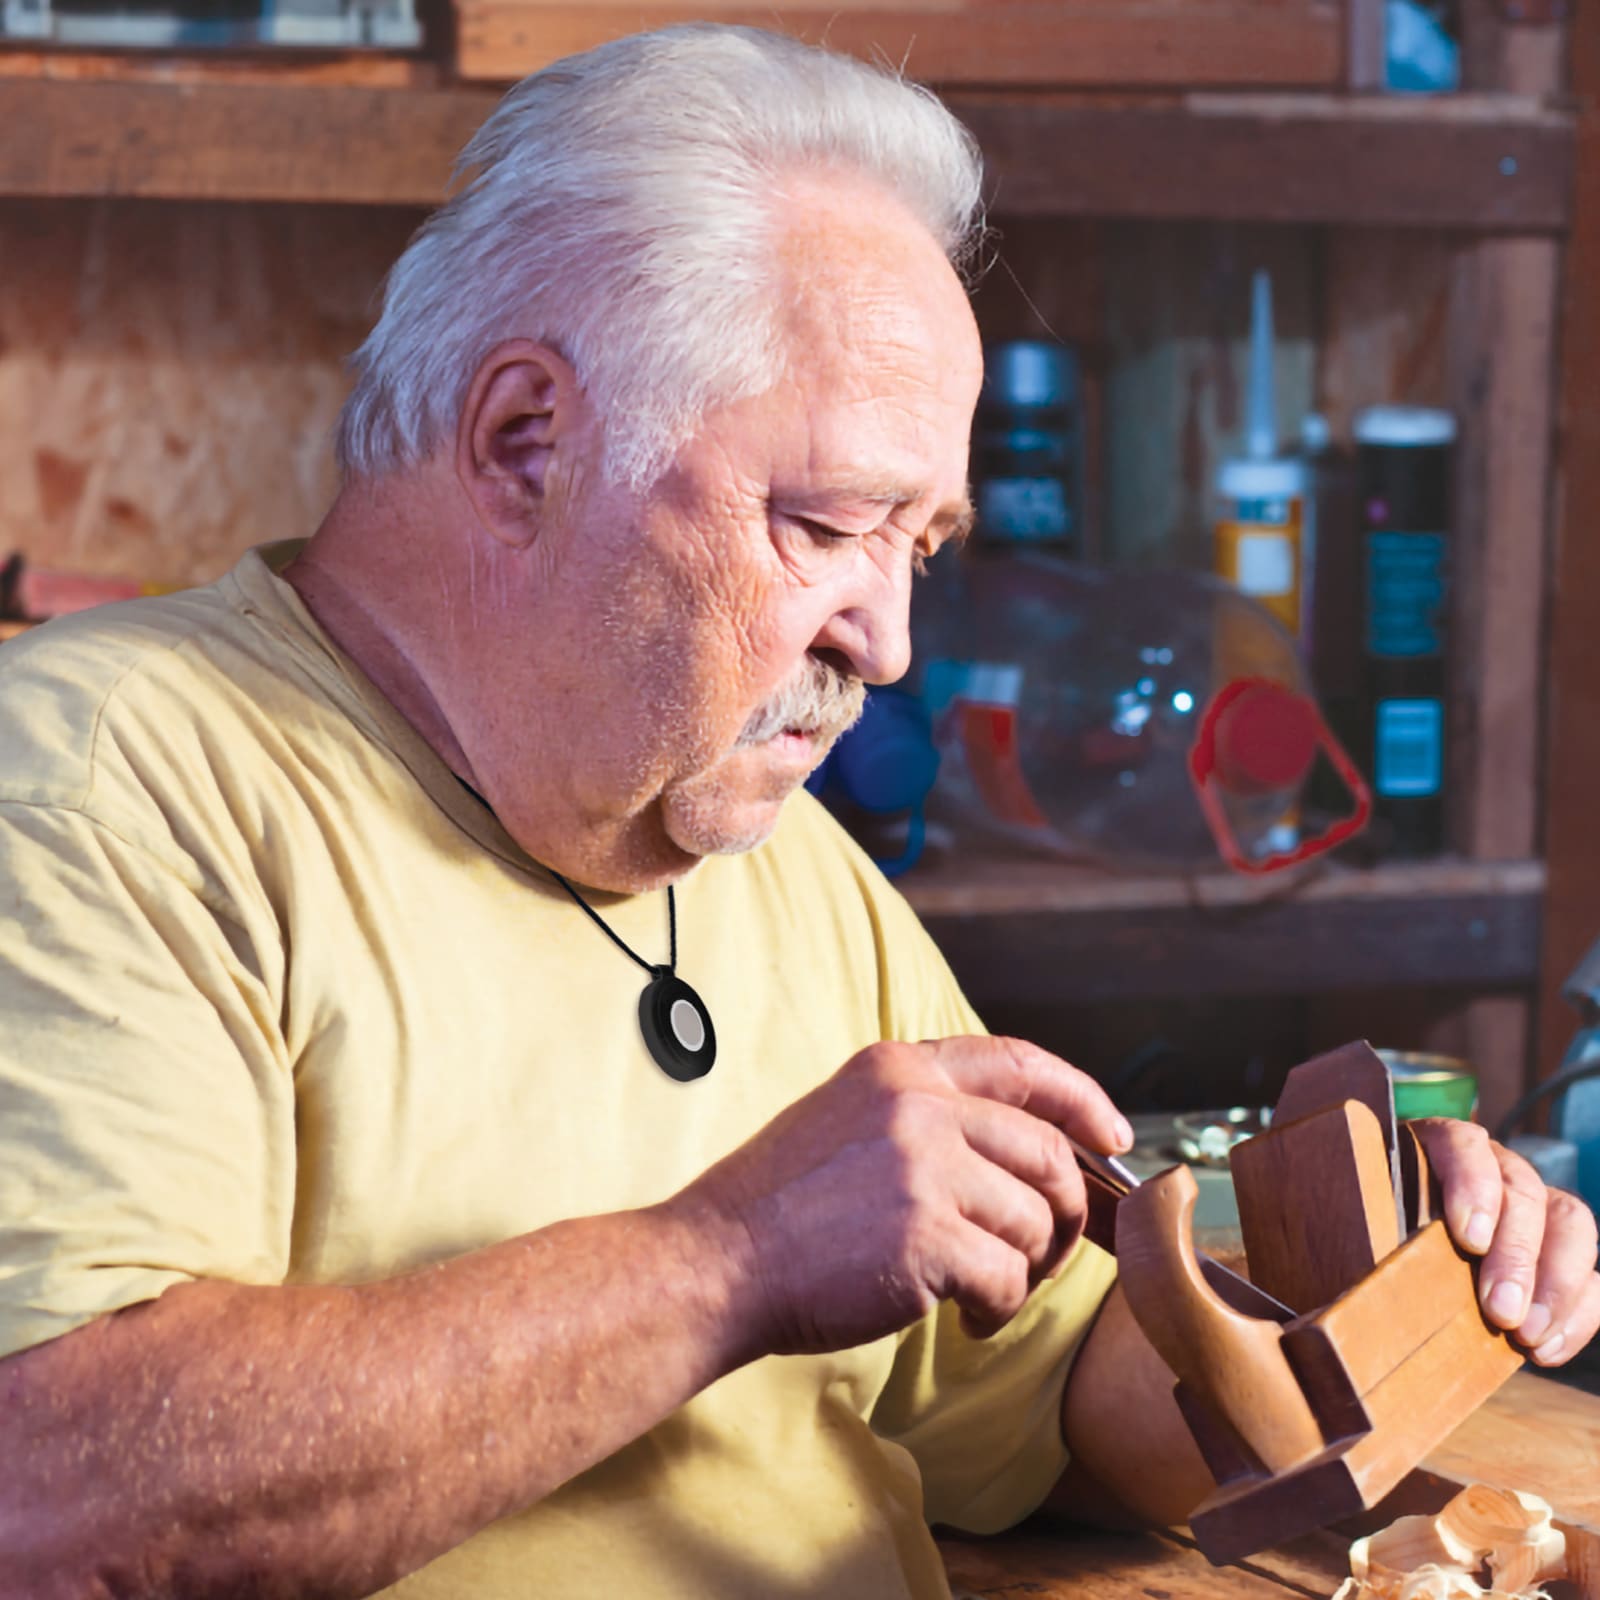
<point>1148,720</point>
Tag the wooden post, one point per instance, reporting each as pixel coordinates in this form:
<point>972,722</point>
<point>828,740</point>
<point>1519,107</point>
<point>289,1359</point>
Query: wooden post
<point>1364,44</point>
<point>1505,294</point>
<point>1572,701</point>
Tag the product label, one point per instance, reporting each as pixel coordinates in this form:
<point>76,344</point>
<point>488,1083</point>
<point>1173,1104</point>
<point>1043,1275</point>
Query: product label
<point>1258,551</point>
<point>973,705</point>
<point>1409,748</point>
<point>1024,508</point>
<point>1278,513</point>
<point>1405,595</point>
<point>1266,563</point>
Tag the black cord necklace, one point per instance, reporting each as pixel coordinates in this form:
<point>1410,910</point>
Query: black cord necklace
<point>673,1019</point>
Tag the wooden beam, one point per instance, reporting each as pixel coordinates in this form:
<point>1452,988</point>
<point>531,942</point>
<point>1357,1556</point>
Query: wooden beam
<point>1503,353</point>
<point>1364,44</point>
<point>1102,43</point>
<point>208,141</point>
<point>1017,933</point>
<point>1483,163</point>
<point>1478,162</point>
<point>1572,701</point>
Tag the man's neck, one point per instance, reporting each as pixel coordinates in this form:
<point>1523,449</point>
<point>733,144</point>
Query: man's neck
<point>346,591</point>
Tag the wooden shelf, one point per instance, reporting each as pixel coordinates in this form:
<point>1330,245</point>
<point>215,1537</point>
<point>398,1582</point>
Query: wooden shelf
<point>1477,162</point>
<point>1010,42</point>
<point>1487,163</point>
<point>1025,930</point>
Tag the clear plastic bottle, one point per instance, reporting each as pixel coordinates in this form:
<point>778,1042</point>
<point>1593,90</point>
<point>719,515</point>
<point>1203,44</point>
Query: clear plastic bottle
<point>1143,720</point>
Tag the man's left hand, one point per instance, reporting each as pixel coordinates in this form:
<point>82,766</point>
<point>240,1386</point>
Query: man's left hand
<point>1537,1279</point>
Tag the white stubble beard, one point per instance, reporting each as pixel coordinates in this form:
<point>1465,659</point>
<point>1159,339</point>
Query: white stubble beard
<point>713,813</point>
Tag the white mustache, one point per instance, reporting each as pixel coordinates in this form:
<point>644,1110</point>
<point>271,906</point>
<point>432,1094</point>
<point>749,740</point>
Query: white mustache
<point>819,699</point>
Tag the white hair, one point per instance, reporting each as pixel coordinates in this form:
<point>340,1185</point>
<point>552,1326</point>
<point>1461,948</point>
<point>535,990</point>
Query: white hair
<point>622,207</point>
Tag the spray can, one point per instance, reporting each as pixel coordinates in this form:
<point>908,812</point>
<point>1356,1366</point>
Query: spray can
<point>1261,494</point>
<point>1404,462</point>
<point>1028,448</point>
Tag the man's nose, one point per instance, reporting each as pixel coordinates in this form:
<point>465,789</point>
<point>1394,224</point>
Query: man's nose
<point>873,631</point>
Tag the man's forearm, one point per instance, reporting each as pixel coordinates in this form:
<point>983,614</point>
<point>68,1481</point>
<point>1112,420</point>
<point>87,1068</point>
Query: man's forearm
<point>1128,1438</point>
<point>304,1441</point>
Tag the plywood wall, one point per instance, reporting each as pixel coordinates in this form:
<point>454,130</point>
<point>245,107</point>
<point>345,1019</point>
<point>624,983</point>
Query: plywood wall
<point>1178,322</point>
<point>1361,319</point>
<point>170,375</point>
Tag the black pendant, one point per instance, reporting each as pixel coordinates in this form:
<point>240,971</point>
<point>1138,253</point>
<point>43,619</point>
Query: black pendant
<point>677,1027</point>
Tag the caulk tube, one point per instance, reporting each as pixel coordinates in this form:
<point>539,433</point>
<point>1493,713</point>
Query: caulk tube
<point>1261,494</point>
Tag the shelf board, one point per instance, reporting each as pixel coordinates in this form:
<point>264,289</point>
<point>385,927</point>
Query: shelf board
<point>234,141</point>
<point>1025,930</point>
<point>1478,162</point>
<point>1474,162</point>
<point>1175,43</point>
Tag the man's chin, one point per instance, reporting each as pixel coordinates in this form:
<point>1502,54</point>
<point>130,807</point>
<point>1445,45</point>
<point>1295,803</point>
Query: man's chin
<point>719,830</point>
<point>731,811</point>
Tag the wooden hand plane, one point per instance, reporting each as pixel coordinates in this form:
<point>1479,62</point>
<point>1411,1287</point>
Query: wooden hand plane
<point>1358,1343</point>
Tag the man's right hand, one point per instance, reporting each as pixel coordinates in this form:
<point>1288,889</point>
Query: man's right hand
<point>917,1173</point>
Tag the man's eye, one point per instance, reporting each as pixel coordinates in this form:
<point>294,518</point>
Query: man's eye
<point>820,531</point>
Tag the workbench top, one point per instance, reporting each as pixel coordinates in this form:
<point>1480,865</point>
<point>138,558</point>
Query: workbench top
<point>1534,1434</point>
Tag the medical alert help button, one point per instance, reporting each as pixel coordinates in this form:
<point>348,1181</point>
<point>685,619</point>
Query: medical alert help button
<point>687,1026</point>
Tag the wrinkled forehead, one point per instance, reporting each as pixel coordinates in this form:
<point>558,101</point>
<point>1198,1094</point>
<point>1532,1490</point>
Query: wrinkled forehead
<point>880,341</point>
<point>861,279</point>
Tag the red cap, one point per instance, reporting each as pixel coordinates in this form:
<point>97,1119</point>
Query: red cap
<point>1266,739</point>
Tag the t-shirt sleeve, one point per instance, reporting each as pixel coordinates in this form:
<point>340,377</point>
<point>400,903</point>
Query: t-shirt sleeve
<point>146,1103</point>
<point>982,1418</point>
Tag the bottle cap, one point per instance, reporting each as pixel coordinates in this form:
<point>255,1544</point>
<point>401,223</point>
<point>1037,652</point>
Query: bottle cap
<point>888,762</point>
<point>1028,372</point>
<point>1316,433</point>
<point>1403,426</point>
<point>1266,740</point>
<point>1245,478</point>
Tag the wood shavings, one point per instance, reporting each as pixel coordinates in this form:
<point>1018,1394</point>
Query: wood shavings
<point>1487,1544</point>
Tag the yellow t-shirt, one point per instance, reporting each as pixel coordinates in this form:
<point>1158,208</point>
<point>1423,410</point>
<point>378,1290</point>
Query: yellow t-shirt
<point>281,1003</point>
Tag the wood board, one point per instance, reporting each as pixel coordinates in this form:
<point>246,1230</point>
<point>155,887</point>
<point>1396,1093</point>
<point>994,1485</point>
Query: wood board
<point>1531,1434</point>
<point>1571,758</point>
<point>1538,1435</point>
<point>170,375</point>
<point>1011,42</point>
<point>195,130</point>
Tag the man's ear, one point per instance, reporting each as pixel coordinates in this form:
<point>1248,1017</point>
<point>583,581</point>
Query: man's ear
<point>523,399</point>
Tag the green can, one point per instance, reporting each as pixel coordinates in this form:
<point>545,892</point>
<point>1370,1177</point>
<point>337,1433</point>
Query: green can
<point>1430,1085</point>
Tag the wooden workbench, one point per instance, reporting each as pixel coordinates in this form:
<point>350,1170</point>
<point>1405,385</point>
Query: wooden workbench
<point>1534,1434</point>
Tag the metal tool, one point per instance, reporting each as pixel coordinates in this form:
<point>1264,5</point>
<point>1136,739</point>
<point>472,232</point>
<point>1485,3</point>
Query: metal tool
<point>1107,1181</point>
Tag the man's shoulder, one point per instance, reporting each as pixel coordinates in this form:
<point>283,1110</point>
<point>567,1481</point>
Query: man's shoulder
<point>139,689</point>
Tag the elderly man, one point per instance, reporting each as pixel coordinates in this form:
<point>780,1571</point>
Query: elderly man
<point>368,1217</point>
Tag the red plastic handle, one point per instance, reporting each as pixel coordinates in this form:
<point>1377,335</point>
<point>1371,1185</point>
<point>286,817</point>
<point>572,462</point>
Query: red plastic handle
<point>1202,772</point>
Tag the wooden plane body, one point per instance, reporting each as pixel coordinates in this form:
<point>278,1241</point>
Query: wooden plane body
<point>1311,1410</point>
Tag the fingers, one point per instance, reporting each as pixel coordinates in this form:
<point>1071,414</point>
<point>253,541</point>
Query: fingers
<point>1566,1337</point>
<point>1565,1309</point>
<point>1537,1278</point>
<point>1511,1264</point>
<point>1024,1185</point>
<point>989,1280</point>
<point>1462,1157</point>
<point>1017,1073</point>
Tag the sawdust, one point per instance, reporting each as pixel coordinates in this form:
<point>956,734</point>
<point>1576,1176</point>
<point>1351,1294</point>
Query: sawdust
<point>1487,1544</point>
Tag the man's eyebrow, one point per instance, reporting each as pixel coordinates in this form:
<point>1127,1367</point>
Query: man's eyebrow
<point>955,522</point>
